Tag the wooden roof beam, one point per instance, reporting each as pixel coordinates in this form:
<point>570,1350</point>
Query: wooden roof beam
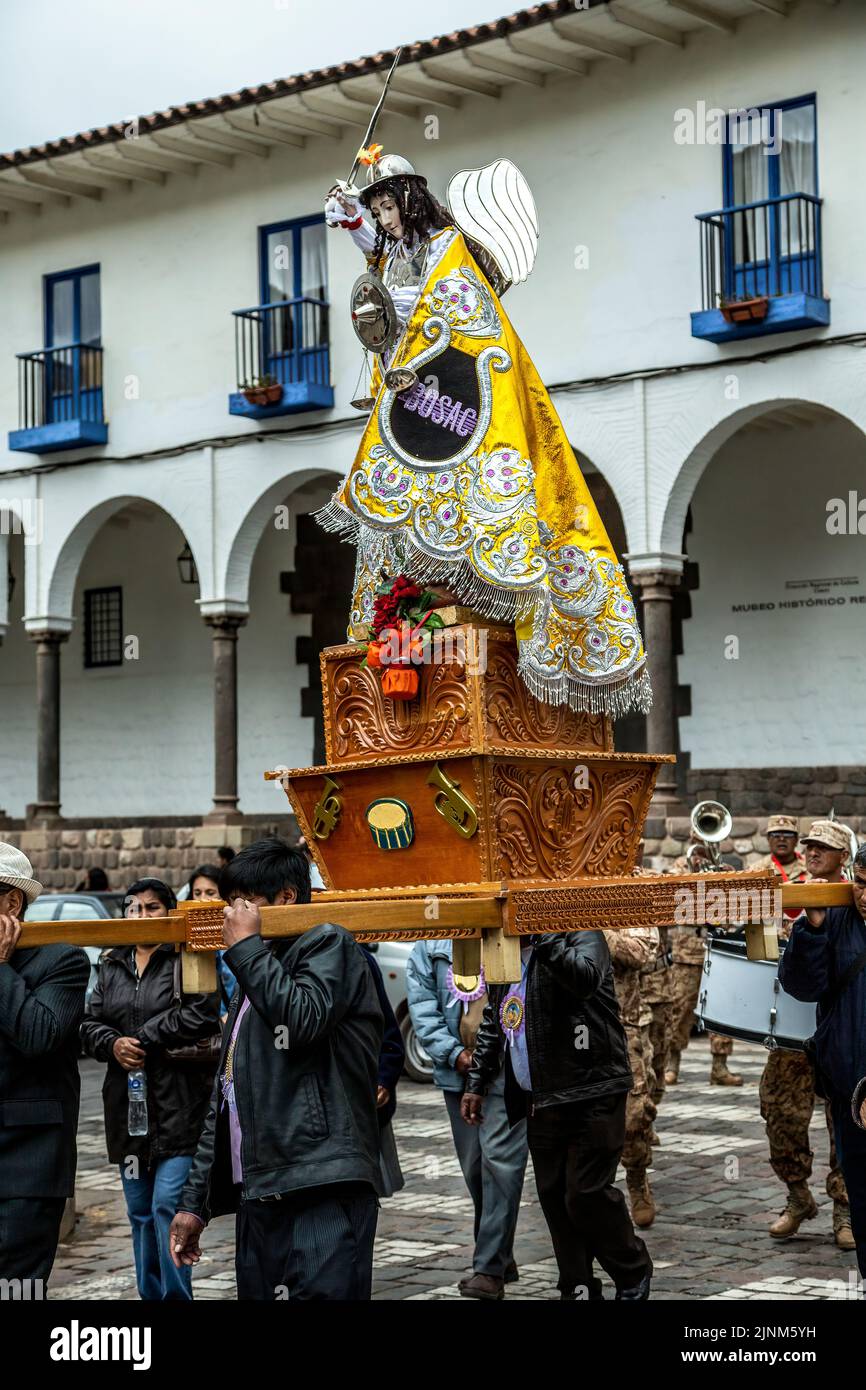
<point>67,186</point>
<point>610,48</point>
<point>514,72</point>
<point>261,131</point>
<point>557,58</point>
<point>653,28</point>
<point>464,81</point>
<point>777,7</point>
<point>303,122</point>
<point>198,150</point>
<point>104,177</point>
<point>697,10</point>
<point>12,188</point>
<point>139,153</point>
<point>421,91</point>
<point>409,110</point>
<point>117,168</point>
<point>319,105</point>
<point>226,140</point>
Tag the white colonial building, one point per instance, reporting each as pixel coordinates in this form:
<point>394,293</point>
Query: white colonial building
<point>698,311</point>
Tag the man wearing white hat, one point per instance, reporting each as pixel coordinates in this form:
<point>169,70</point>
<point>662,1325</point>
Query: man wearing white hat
<point>41,1005</point>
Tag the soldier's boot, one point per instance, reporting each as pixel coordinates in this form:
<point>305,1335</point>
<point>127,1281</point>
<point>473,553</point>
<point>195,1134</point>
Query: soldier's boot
<point>842,1226</point>
<point>720,1076</point>
<point>643,1207</point>
<point>672,1071</point>
<point>801,1206</point>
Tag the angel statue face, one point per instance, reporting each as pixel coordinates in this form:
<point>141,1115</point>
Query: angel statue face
<point>386,211</point>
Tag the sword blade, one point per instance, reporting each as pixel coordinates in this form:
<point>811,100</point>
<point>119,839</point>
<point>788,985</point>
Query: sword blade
<point>374,119</point>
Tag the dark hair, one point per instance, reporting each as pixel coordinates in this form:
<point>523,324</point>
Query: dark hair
<point>859,861</point>
<point>225,853</point>
<point>156,885</point>
<point>264,870</point>
<point>420,213</point>
<point>211,871</point>
<point>97,879</point>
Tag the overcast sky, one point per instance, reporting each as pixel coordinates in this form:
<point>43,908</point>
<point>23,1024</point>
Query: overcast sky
<point>67,65</point>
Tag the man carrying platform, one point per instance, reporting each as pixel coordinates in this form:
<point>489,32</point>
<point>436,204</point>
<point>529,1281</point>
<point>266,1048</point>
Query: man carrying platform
<point>825,962</point>
<point>788,1081</point>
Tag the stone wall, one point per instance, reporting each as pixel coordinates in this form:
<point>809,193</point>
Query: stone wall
<point>61,857</point>
<point>794,791</point>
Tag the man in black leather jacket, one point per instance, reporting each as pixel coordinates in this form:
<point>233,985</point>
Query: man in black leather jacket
<point>566,1068</point>
<point>291,1142</point>
<point>41,1005</point>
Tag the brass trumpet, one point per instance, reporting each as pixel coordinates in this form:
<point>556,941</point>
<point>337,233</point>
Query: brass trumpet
<point>711,823</point>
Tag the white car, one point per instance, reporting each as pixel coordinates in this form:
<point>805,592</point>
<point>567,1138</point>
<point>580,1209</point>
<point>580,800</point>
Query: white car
<point>391,957</point>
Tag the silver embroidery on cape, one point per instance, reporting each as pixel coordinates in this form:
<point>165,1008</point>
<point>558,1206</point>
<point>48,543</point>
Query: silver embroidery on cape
<point>466,304</point>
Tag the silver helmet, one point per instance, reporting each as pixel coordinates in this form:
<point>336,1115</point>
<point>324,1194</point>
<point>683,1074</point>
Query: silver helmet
<point>387,166</point>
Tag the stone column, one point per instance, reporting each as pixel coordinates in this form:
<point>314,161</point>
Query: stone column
<point>225,671</point>
<point>47,805</point>
<point>656,584</point>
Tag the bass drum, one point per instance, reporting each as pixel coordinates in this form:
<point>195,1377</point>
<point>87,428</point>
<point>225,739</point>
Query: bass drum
<point>744,999</point>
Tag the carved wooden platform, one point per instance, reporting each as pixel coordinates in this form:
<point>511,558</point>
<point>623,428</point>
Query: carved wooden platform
<point>471,700</point>
<point>536,816</point>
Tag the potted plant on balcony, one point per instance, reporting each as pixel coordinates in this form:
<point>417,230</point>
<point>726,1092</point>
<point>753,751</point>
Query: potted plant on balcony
<point>263,390</point>
<point>744,310</point>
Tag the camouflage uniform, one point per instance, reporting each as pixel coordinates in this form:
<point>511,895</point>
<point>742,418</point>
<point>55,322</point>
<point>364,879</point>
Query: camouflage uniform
<point>787,1094</point>
<point>656,996</point>
<point>687,957</point>
<point>631,951</point>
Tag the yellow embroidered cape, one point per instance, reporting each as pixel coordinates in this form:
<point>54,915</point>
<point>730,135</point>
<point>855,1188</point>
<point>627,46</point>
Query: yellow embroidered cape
<point>467,479</point>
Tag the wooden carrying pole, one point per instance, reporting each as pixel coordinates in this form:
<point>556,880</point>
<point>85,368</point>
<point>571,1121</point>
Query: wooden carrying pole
<point>486,921</point>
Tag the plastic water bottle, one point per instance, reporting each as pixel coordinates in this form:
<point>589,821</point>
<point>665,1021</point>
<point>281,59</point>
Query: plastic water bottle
<point>136,1090</point>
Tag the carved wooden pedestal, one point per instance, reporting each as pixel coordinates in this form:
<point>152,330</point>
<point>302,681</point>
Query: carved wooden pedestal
<point>472,782</point>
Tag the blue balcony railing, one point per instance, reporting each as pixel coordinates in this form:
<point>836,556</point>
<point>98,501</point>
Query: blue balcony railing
<point>60,403</point>
<point>767,250</point>
<point>286,344</point>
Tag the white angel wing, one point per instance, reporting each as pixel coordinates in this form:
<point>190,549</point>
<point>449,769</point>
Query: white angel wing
<point>495,207</point>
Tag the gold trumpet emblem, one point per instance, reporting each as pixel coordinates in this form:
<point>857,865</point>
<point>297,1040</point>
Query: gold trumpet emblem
<point>327,810</point>
<point>452,805</point>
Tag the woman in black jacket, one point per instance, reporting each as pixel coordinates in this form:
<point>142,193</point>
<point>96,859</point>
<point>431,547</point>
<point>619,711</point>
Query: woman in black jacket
<point>136,1013</point>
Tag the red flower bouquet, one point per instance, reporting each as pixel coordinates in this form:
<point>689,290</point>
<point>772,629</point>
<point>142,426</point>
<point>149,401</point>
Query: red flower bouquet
<point>403,616</point>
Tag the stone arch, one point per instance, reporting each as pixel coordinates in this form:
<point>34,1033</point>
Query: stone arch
<point>683,486</point>
<point>235,577</point>
<point>60,583</point>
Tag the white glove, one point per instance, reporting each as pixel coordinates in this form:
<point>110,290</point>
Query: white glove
<point>336,214</point>
<point>405,298</point>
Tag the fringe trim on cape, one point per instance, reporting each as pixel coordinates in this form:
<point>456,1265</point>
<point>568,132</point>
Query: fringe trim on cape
<point>615,699</point>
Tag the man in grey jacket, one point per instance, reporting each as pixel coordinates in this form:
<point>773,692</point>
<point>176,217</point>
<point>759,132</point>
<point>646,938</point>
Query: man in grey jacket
<point>492,1156</point>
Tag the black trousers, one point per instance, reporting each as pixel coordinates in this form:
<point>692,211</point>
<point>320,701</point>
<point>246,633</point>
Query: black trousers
<point>29,1229</point>
<point>851,1151</point>
<point>316,1245</point>
<point>575,1151</point>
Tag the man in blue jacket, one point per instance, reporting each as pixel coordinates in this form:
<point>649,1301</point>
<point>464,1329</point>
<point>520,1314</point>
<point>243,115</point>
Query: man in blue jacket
<point>492,1155</point>
<point>825,962</point>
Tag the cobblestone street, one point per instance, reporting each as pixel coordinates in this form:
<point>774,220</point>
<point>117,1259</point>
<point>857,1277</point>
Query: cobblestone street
<point>712,1180</point>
